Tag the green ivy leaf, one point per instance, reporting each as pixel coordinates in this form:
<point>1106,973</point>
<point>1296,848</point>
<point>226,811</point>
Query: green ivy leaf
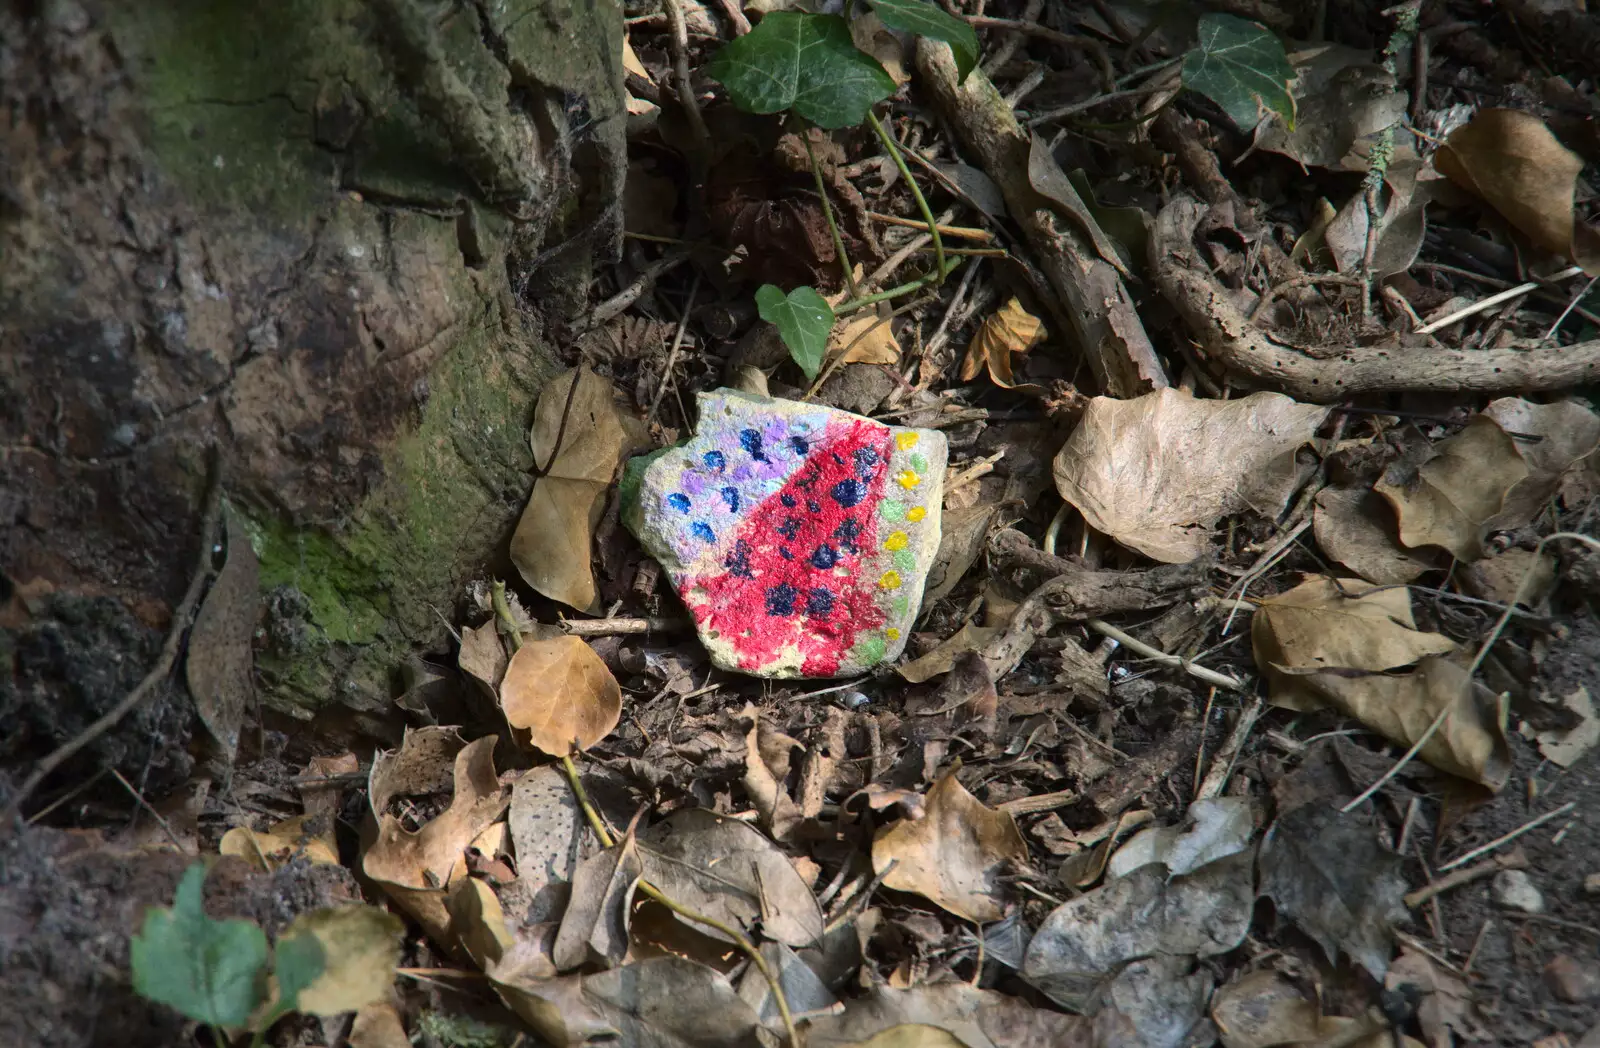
<point>207,969</point>
<point>298,961</point>
<point>925,19</point>
<point>803,62</point>
<point>1242,67</point>
<point>803,319</point>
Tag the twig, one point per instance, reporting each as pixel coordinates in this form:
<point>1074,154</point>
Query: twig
<point>849,908</point>
<point>1514,861</point>
<point>1466,688</point>
<point>622,627</point>
<point>672,354</point>
<point>679,40</point>
<point>1222,764</point>
<point>1050,115</point>
<point>1509,837</point>
<point>1539,918</point>
<point>736,18</point>
<point>959,232</point>
<point>614,305</point>
<point>141,802</point>
<point>1485,304</point>
<point>1134,644</point>
<point>1095,48</point>
<point>169,653</point>
<point>1039,803</point>
<point>1305,280</point>
<point>895,292</point>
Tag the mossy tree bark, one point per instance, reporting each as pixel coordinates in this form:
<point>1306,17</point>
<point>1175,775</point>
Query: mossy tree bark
<point>301,233</point>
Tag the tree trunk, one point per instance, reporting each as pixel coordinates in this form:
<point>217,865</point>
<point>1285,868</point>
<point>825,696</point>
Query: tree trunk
<point>301,234</point>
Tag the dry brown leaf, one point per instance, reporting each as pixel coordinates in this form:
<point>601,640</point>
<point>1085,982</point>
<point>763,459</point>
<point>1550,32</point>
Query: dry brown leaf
<point>1263,1009</point>
<point>1451,498</point>
<point>977,1018</point>
<point>1010,330</point>
<point>1157,471</point>
<point>1515,164</point>
<point>595,926</point>
<point>869,34</point>
<point>723,868</point>
<point>1341,624</point>
<point>219,664</point>
<point>631,63</point>
<point>562,694</point>
<point>415,868</point>
<point>551,836</point>
<point>954,855</point>
<point>1564,746</point>
<point>1319,648</point>
<point>579,441</point>
<point>864,338</point>
<point>360,948</point>
<point>941,659</point>
<point>378,1026</point>
<point>779,813</point>
<point>321,791</point>
<point>1341,96</point>
<point>478,921</point>
<point>310,836</point>
<point>1447,1009</point>
<point>483,656</point>
<point>1357,529</point>
<point>424,763</point>
<point>908,1035</point>
<point>1501,578</point>
<point>1569,433</point>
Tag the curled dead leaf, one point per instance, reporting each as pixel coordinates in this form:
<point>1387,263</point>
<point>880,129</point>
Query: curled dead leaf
<point>1451,498</point>
<point>1010,330</point>
<point>1357,529</point>
<point>864,337</point>
<point>1513,162</point>
<point>562,694</point>
<point>299,835</point>
<point>954,855</point>
<point>414,868</point>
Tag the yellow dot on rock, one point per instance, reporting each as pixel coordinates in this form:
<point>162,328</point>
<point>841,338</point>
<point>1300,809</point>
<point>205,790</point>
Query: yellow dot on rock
<point>896,541</point>
<point>916,513</point>
<point>907,479</point>
<point>890,580</point>
<point>892,633</point>
<point>905,441</point>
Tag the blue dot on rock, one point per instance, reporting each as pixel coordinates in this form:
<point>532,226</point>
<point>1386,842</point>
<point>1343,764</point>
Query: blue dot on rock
<point>730,495</point>
<point>820,602</point>
<point>702,531</point>
<point>781,598</point>
<point>715,460</point>
<point>787,500</point>
<point>789,528</point>
<point>848,492</point>
<point>824,557</point>
<point>678,501</point>
<point>813,505</point>
<point>750,440</point>
<point>800,445</point>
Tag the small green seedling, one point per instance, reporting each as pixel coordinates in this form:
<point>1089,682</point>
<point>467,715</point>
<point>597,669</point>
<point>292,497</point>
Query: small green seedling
<point>804,63</point>
<point>216,972</point>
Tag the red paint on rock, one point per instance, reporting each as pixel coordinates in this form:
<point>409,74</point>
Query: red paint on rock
<point>826,519</point>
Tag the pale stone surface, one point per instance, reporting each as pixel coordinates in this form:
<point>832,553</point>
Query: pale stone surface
<point>798,536</point>
<point>1515,890</point>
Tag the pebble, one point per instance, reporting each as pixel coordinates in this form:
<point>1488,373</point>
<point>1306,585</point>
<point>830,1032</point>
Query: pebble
<point>1572,980</point>
<point>798,536</point>
<point>1515,890</point>
<point>1591,884</point>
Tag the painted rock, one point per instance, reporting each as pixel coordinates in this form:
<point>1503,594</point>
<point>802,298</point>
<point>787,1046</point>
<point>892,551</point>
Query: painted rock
<point>798,536</point>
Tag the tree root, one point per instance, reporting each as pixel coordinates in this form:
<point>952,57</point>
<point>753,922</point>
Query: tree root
<point>1233,342</point>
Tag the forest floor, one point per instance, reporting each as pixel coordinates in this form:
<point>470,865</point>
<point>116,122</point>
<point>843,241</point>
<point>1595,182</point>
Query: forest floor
<point>1228,717</point>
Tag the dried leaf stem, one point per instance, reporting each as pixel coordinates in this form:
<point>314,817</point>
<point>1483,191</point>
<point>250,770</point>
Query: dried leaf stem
<point>827,213</point>
<point>937,277</point>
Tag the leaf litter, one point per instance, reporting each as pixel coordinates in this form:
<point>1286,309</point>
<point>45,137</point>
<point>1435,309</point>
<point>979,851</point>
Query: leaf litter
<point>1059,846</point>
